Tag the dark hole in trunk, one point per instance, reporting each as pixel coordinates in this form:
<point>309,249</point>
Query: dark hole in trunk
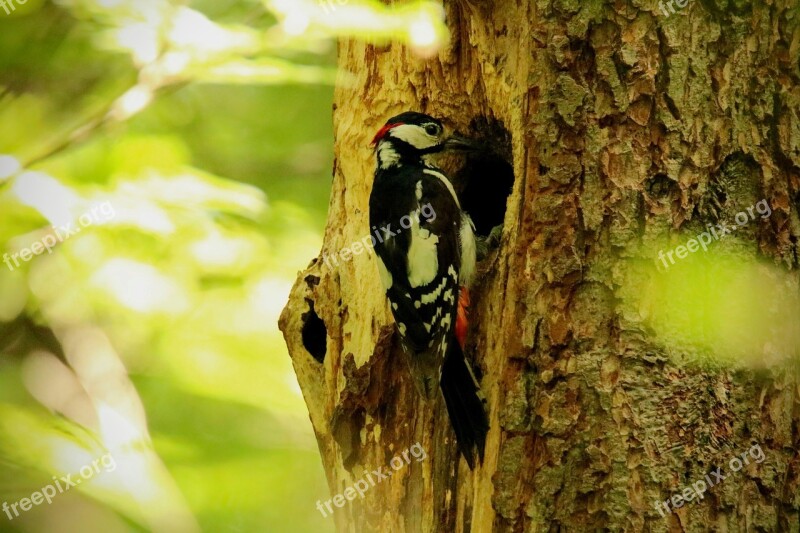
<point>486,177</point>
<point>314,333</point>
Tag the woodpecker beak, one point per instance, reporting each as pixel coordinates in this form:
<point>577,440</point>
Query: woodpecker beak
<point>456,142</point>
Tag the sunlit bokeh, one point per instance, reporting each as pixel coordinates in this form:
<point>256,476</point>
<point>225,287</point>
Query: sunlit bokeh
<point>717,308</point>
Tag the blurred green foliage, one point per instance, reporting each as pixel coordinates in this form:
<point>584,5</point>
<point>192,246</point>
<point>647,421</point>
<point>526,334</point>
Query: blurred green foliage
<point>151,334</point>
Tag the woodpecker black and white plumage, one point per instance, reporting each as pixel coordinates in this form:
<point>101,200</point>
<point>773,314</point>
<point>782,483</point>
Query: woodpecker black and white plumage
<point>426,259</point>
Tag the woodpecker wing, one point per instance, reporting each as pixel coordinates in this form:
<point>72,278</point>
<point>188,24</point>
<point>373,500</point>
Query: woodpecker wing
<point>419,263</point>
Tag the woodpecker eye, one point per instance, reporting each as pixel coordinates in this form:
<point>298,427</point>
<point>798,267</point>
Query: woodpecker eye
<point>432,129</point>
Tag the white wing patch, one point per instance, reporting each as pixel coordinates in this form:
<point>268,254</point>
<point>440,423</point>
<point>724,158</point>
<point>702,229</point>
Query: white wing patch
<point>446,182</point>
<point>423,254</point>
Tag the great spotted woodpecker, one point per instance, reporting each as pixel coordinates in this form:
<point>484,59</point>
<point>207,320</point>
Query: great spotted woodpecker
<point>427,268</point>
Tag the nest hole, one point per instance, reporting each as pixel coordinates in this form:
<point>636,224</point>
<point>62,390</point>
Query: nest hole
<point>487,176</point>
<point>314,333</point>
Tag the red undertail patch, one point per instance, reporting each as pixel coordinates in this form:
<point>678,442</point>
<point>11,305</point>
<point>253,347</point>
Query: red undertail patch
<point>462,318</point>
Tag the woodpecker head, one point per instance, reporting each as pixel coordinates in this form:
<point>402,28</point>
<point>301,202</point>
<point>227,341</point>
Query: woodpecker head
<point>410,136</point>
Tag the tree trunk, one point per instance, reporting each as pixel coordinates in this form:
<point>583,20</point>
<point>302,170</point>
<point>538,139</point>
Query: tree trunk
<point>627,129</point>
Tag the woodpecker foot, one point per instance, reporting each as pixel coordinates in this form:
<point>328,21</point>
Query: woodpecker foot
<point>485,244</point>
<point>493,240</point>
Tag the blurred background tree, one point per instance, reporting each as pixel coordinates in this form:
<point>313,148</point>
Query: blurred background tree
<point>204,128</point>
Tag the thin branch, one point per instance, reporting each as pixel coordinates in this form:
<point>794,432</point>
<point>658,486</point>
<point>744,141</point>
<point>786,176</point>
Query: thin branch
<point>92,125</point>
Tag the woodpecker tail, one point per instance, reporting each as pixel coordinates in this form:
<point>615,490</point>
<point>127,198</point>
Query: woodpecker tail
<point>464,404</point>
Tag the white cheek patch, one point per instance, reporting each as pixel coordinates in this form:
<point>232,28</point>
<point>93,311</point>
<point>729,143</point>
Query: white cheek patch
<point>414,135</point>
<point>423,254</point>
<point>387,156</point>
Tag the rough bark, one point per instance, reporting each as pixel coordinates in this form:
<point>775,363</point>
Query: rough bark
<point>626,127</point>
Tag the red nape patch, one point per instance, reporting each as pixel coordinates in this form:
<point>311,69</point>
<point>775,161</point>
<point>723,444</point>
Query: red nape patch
<point>383,131</point>
<point>462,318</point>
